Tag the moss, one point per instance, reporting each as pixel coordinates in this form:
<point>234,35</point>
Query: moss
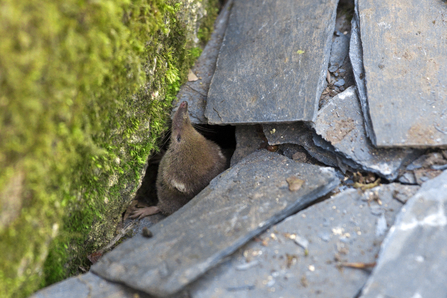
<point>207,26</point>
<point>86,88</point>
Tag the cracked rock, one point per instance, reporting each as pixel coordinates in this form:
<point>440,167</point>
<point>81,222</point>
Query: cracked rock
<point>413,257</point>
<point>237,205</point>
<point>340,123</point>
<point>303,256</point>
<point>274,56</point>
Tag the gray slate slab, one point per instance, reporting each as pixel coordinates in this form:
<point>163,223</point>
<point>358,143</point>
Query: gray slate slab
<point>405,61</point>
<point>273,61</point>
<point>341,123</point>
<point>356,59</point>
<point>413,258</point>
<point>237,205</point>
<point>341,229</point>
<point>339,52</point>
<point>248,140</point>
<point>195,92</point>
<point>300,134</point>
<point>88,286</point>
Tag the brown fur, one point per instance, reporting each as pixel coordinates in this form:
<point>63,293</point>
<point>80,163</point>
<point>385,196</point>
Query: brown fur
<point>188,166</point>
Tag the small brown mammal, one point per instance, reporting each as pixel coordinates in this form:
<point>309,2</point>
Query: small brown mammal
<point>188,166</point>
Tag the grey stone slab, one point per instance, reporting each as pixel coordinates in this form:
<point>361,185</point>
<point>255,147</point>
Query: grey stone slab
<point>237,205</point>
<point>276,264</point>
<point>413,257</point>
<point>145,222</point>
<point>356,59</point>
<point>405,61</point>
<point>88,286</point>
<point>273,61</point>
<point>248,140</point>
<point>300,134</point>
<point>424,168</point>
<point>339,52</point>
<point>195,92</point>
<point>341,123</point>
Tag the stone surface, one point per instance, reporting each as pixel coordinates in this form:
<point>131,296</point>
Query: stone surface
<point>88,286</point>
<point>146,222</point>
<point>339,52</point>
<point>195,92</point>
<point>340,122</point>
<point>413,257</point>
<point>339,230</point>
<point>237,205</point>
<point>424,168</point>
<point>405,61</point>
<point>300,134</point>
<point>248,140</point>
<point>273,62</point>
<point>356,59</point>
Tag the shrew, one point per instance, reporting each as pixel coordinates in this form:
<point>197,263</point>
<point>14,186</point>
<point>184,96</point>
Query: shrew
<point>188,166</point>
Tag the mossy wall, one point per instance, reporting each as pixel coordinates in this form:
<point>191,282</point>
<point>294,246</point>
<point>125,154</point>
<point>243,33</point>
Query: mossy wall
<point>86,91</point>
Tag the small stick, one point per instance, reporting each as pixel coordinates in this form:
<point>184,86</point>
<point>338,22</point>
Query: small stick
<point>359,265</point>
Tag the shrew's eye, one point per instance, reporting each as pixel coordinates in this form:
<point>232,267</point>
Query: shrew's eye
<point>179,138</point>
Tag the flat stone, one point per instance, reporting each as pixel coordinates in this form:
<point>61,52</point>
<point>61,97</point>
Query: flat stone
<point>413,257</point>
<point>273,62</point>
<point>424,168</point>
<point>407,178</point>
<point>88,286</point>
<point>339,83</point>
<point>356,59</point>
<point>316,146</point>
<point>339,52</point>
<point>248,140</point>
<point>237,205</point>
<point>340,230</point>
<point>195,92</point>
<point>341,123</point>
<point>300,134</point>
<point>405,63</point>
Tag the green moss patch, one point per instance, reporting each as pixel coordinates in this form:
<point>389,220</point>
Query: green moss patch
<point>87,88</point>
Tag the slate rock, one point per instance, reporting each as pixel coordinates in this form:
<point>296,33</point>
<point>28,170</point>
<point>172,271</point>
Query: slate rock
<point>297,153</point>
<point>356,59</point>
<point>413,257</point>
<point>88,285</point>
<point>405,63</point>
<point>195,92</point>
<point>145,222</point>
<point>300,134</point>
<point>340,122</point>
<point>237,205</point>
<point>339,52</point>
<point>273,62</point>
<point>336,231</point>
<point>339,83</point>
<point>248,140</point>
<point>424,168</point>
<point>407,178</point>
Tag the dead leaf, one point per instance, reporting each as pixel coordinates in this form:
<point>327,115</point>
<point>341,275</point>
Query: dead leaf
<point>294,183</point>
<point>94,257</point>
<point>192,77</point>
